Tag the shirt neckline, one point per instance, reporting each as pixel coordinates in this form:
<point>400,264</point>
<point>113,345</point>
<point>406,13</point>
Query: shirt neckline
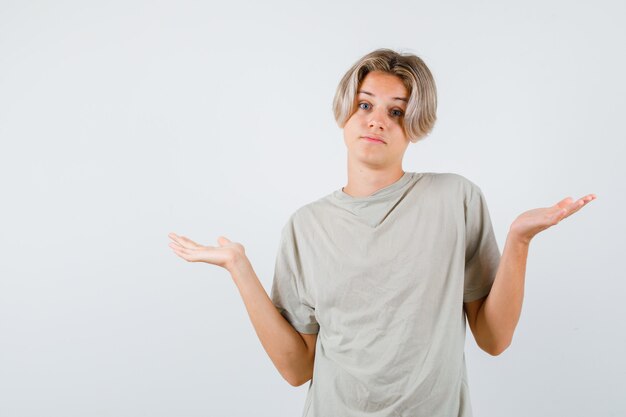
<point>377,195</point>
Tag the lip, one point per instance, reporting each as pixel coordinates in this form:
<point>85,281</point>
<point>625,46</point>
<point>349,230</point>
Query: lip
<point>374,138</point>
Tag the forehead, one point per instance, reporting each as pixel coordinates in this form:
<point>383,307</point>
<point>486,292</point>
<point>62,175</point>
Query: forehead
<point>383,85</point>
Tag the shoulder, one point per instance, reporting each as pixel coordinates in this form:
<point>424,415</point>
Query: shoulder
<point>452,178</point>
<point>309,213</point>
<point>453,183</point>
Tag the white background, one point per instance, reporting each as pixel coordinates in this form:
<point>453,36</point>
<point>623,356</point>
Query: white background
<point>123,121</point>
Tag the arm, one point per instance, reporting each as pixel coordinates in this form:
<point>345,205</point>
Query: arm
<point>493,319</point>
<point>291,352</point>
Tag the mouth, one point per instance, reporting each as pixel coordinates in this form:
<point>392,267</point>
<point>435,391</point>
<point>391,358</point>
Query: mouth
<point>374,139</point>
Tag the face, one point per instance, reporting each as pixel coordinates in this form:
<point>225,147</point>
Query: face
<point>373,134</point>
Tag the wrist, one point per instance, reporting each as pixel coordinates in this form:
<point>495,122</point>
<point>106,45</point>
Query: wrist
<point>238,264</point>
<point>517,238</point>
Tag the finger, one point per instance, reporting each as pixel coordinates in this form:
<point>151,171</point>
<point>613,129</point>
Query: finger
<point>174,237</point>
<point>559,214</point>
<point>189,242</point>
<point>183,241</point>
<point>223,241</point>
<point>186,254</point>
<point>574,207</point>
<point>175,245</point>
<point>180,255</point>
<point>177,250</point>
<point>565,202</point>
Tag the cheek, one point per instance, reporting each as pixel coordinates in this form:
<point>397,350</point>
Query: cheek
<point>352,123</point>
<point>351,119</point>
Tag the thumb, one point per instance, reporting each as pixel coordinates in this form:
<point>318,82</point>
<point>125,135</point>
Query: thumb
<point>223,241</point>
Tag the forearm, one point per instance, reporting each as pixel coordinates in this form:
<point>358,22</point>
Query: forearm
<point>284,345</point>
<point>500,312</point>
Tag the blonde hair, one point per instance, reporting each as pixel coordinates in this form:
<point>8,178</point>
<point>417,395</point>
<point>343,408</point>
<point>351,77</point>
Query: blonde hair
<point>420,115</point>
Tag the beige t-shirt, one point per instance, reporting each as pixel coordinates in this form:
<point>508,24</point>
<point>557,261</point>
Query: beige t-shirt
<point>382,279</point>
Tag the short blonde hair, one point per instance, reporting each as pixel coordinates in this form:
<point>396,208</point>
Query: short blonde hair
<point>420,115</point>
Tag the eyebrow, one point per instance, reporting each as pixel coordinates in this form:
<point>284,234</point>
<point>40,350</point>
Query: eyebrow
<point>370,94</point>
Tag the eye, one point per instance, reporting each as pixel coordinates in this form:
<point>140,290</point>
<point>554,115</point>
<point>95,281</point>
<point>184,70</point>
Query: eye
<point>363,104</point>
<point>397,113</point>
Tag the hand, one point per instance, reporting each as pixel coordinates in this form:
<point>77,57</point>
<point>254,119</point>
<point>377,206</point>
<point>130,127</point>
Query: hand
<point>223,255</point>
<point>531,222</point>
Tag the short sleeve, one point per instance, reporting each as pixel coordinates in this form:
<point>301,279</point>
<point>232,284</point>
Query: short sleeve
<point>288,287</point>
<point>482,255</point>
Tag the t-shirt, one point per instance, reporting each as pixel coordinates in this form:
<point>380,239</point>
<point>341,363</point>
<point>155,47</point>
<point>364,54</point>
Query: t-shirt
<point>382,279</point>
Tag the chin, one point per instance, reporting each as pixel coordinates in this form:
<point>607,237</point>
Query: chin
<point>368,158</point>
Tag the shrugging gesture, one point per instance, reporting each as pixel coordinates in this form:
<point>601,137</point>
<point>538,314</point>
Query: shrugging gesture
<point>531,222</point>
<point>292,353</point>
<point>494,318</point>
<point>223,255</point>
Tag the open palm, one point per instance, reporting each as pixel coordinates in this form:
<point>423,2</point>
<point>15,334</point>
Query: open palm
<point>531,222</point>
<point>222,255</point>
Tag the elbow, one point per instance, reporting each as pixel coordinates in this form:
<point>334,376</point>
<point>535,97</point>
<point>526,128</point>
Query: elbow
<point>297,370</point>
<point>298,376</point>
<point>497,349</point>
<point>296,382</point>
<point>495,352</point>
<point>296,379</point>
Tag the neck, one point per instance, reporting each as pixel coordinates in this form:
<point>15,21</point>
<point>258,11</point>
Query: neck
<point>364,181</point>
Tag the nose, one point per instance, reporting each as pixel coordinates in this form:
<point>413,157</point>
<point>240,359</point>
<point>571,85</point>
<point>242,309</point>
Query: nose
<point>378,120</point>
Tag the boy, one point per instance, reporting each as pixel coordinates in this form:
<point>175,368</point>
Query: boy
<point>373,282</point>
